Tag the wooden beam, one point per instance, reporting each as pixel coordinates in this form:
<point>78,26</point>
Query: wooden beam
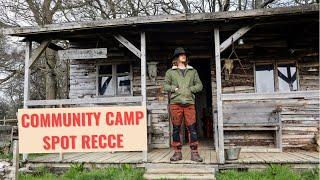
<point>93,53</point>
<point>220,150</point>
<point>234,37</point>
<point>15,160</point>
<point>128,44</point>
<point>26,85</point>
<point>104,100</point>
<point>144,80</point>
<point>124,22</point>
<point>276,95</point>
<point>37,52</point>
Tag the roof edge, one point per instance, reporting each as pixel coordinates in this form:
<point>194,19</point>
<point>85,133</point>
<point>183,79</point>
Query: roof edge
<point>216,16</point>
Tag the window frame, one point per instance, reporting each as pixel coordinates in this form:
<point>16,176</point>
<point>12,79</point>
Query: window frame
<point>114,77</point>
<point>275,64</point>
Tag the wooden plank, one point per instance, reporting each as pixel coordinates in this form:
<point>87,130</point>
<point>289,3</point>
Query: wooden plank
<point>37,52</point>
<point>161,156</point>
<point>43,158</point>
<point>302,157</point>
<point>276,95</point>
<point>99,100</point>
<point>75,157</point>
<point>226,128</point>
<point>98,156</point>
<point>213,157</point>
<point>154,153</point>
<point>311,154</point>
<point>131,158</point>
<point>234,37</point>
<point>107,158</point>
<point>93,53</point>
<point>129,45</point>
<point>26,85</point>
<point>143,62</point>
<point>219,98</point>
<point>15,160</point>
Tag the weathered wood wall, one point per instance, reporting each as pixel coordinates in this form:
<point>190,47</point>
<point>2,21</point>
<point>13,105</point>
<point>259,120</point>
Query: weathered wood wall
<point>83,75</point>
<point>157,105</point>
<point>266,42</point>
<point>300,117</point>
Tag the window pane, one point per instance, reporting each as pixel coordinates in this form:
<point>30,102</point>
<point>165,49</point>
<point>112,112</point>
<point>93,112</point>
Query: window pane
<point>264,78</point>
<point>124,85</point>
<point>105,85</point>
<point>287,77</point>
<point>105,69</point>
<point>123,68</point>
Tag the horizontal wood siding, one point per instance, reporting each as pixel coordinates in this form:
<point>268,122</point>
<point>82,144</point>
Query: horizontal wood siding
<point>300,117</point>
<point>83,84</point>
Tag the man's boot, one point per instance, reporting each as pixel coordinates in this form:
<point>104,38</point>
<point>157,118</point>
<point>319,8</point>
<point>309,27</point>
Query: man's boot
<point>176,156</point>
<point>196,157</point>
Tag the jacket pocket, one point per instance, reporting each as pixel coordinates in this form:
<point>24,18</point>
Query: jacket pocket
<point>173,95</point>
<point>186,92</point>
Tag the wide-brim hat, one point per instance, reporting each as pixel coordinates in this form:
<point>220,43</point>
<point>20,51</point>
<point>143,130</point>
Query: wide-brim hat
<point>180,50</point>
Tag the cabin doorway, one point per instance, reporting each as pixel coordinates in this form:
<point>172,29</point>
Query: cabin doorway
<point>204,102</point>
<point>203,107</point>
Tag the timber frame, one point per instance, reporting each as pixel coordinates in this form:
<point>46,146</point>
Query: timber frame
<point>32,57</point>
<point>45,35</point>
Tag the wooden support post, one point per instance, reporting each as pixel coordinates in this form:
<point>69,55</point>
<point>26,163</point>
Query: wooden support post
<point>234,37</point>
<point>26,85</point>
<point>144,80</point>
<point>61,153</point>
<point>15,160</point>
<point>278,136</point>
<point>220,151</point>
<point>37,52</point>
<point>129,45</point>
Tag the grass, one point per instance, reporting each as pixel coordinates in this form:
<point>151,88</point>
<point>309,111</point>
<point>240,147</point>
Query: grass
<point>127,172</point>
<point>273,172</point>
<point>78,172</point>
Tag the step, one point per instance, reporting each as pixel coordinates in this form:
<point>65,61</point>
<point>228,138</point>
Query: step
<point>179,176</point>
<point>179,171</point>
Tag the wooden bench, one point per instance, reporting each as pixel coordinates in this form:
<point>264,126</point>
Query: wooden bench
<point>253,117</point>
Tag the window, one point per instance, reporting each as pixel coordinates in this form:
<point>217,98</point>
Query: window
<point>287,77</point>
<point>114,80</point>
<point>265,77</point>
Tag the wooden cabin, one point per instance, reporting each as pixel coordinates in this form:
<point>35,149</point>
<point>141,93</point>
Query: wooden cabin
<point>259,68</point>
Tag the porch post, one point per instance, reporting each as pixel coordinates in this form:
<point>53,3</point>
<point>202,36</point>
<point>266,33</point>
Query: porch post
<point>220,151</point>
<point>143,80</point>
<point>26,85</point>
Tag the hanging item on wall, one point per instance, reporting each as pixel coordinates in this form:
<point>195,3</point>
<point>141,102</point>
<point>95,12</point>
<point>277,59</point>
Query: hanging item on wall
<point>229,62</point>
<point>152,70</point>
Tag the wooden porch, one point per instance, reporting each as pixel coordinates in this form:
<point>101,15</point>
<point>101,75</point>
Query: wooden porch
<point>298,159</point>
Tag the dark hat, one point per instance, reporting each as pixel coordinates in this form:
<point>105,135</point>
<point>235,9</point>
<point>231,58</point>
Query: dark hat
<point>178,51</point>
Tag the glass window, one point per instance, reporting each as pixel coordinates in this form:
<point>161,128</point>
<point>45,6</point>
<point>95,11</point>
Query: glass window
<point>105,69</point>
<point>123,68</point>
<point>105,85</point>
<point>122,84</point>
<point>264,78</point>
<point>123,79</point>
<point>287,77</point>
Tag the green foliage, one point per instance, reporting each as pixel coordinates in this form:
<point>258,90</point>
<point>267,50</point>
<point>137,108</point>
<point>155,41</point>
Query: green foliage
<point>273,172</point>
<point>79,172</point>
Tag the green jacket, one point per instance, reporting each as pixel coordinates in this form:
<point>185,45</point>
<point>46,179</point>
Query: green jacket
<point>187,84</point>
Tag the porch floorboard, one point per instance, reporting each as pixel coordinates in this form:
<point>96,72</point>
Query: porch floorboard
<point>163,156</point>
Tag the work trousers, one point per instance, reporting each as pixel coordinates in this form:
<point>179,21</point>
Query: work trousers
<point>179,112</point>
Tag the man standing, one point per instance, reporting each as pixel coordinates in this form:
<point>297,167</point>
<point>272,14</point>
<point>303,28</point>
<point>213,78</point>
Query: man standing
<point>183,81</point>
